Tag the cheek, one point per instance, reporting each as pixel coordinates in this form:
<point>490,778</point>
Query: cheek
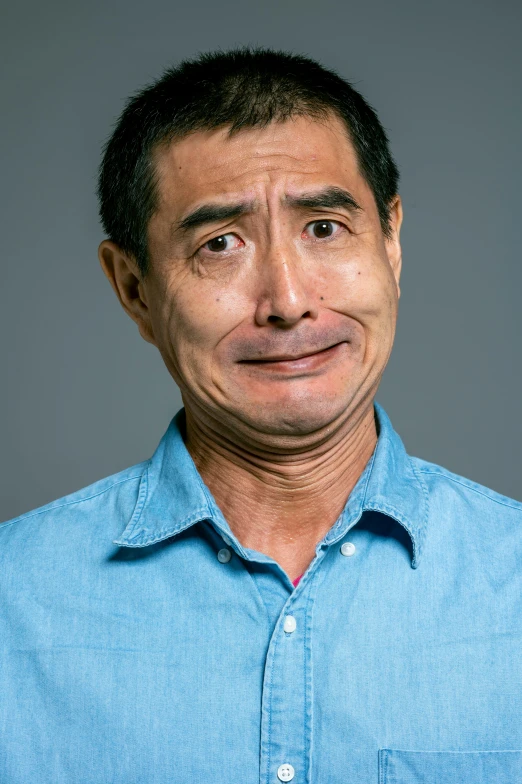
<point>365,291</point>
<point>192,320</point>
<point>363,288</point>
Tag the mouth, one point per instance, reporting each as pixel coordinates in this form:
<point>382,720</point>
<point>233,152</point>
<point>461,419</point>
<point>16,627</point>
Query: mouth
<point>289,362</point>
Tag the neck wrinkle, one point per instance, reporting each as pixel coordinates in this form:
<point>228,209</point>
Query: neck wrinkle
<point>223,461</point>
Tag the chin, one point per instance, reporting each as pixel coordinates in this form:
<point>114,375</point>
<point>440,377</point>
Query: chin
<point>294,418</point>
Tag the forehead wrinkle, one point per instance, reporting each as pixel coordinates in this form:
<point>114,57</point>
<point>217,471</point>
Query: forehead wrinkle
<point>268,194</point>
<point>234,205</point>
<point>264,159</point>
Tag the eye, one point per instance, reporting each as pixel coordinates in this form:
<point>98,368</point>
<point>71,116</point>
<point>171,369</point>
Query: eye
<point>322,229</point>
<point>223,243</point>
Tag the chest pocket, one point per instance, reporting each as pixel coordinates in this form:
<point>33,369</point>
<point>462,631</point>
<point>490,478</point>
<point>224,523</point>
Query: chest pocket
<point>449,767</point>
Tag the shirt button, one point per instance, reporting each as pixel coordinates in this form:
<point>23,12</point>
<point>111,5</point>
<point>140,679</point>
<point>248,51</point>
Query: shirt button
<point>289,626</point>
<point>348,548</point>
<point>285,772</point>
<point>224,555</point>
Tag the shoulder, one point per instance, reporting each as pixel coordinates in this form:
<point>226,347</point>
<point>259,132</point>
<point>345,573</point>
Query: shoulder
<point>110,500</point>
<point>471,529</point>
<point>460,495</point>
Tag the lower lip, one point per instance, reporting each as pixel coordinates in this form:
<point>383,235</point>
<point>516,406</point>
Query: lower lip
<point>301,365</point>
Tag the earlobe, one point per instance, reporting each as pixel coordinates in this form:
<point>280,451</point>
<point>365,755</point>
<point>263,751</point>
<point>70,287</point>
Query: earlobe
<point>123,274</point>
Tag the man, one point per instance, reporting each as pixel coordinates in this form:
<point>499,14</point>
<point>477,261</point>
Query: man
<point>280,593</point>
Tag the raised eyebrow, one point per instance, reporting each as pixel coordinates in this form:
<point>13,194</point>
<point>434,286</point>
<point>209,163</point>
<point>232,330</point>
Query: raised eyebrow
<point>211,213</point>
<point>327,198</point>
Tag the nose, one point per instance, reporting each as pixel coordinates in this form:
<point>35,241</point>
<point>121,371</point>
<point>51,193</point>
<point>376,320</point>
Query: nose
<point>286,295</point>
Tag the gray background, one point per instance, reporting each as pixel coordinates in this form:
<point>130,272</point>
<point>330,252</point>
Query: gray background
<point>82,396</point>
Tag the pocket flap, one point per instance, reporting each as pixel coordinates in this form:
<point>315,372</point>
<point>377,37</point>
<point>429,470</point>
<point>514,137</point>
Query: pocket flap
<point>449,767</point>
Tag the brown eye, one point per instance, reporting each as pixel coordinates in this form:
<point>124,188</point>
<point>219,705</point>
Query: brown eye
<point>322,229</point>
<point>217,244</point>
<point>223,243</point>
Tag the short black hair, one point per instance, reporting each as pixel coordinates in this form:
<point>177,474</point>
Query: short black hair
<point>239,88</point>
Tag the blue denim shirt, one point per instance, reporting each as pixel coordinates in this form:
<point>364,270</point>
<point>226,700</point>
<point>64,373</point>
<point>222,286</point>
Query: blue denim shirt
<point>141,643</point>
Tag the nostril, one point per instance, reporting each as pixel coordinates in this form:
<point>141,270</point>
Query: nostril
<point>277,319</point>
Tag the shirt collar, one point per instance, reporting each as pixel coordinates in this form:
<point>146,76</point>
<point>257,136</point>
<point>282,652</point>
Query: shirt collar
<point>172,495</point>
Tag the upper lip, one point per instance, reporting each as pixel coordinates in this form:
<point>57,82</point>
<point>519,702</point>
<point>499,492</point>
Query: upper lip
<point>286,357</point>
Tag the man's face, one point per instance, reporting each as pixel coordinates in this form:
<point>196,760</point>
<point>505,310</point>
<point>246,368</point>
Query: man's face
<point>272,294</point>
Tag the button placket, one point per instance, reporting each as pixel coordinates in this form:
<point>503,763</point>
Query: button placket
<point>287,694</point>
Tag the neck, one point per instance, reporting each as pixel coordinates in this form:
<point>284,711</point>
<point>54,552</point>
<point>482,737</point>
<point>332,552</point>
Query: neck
<point>276,503</point>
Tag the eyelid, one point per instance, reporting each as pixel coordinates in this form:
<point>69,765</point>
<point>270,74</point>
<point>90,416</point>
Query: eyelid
<point>325,220</point>
<point>215,237</point>
<point>212,234</point>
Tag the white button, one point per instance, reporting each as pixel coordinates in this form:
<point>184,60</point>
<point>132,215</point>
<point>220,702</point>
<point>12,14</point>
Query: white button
<point>289,626</point>
<point>348,548</point>
<point>226,539</point>
<point>285,772</point>
<point>224,555</point>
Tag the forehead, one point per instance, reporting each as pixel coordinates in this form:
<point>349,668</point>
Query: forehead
<point>285,156</point>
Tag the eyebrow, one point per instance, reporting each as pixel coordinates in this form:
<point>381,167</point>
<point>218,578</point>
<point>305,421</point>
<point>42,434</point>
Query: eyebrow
<point>212,213</point>
<point>327,198</point>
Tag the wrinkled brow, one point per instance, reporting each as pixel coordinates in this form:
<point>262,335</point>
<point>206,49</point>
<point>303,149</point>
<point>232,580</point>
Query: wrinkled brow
<point>326,198</point>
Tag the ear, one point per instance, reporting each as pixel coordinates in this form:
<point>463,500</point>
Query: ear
<point>393,245</point>
<point>126,280</point>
